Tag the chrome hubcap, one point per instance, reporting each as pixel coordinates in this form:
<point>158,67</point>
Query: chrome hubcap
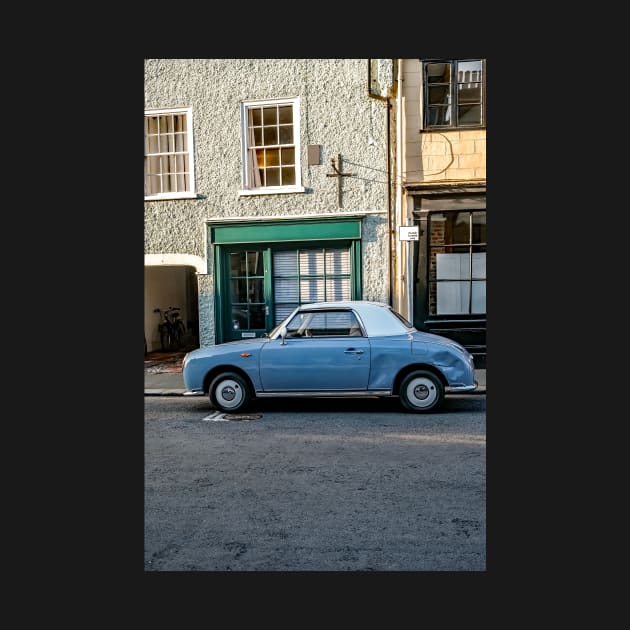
<point>421,391</point>
<point>228,393</point>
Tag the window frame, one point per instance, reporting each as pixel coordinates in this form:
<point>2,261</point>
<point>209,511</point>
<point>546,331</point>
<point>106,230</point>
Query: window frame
<point>248,185</point>
<point>453,96</point>
<point>191,192</point>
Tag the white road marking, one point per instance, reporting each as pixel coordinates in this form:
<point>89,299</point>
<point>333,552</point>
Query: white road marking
<point>216,416</point>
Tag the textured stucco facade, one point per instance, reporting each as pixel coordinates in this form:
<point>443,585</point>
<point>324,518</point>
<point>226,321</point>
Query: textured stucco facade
<point>336,112</point>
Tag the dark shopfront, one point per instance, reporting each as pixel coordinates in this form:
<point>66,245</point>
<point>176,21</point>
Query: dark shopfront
<point>450,266</point>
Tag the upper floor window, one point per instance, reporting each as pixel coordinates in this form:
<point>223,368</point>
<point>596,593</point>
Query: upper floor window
<point>271,146</point>
<point>454,93</point>
<point>168,154</point>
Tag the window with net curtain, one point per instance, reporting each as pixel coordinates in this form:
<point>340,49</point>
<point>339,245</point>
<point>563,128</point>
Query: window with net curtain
<point>271,144</point>
<point>168,159</point>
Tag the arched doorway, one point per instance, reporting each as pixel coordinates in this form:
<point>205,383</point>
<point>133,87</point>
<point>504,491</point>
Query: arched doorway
<point>168,286</point>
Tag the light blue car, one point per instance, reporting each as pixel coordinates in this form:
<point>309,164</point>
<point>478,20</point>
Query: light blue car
<point>348,348</point>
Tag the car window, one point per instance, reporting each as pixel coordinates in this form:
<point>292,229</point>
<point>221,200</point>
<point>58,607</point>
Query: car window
<point>324,324</point>
<point>406,322</point>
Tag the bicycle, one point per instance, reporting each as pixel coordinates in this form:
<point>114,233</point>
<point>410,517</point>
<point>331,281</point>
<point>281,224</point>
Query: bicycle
<point>171,328</point>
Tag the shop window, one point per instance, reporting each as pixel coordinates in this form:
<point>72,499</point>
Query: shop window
<point>457,263</point>
<point>309,275</point>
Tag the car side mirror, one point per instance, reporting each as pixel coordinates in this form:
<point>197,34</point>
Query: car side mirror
<point>283,334</point>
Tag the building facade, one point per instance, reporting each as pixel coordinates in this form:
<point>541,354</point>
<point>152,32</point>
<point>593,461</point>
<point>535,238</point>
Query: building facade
<point>441,275</point>
<point>274,182</point>
<point>267,184</point>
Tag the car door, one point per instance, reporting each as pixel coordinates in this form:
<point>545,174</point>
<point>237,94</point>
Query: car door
<point>318,354</point>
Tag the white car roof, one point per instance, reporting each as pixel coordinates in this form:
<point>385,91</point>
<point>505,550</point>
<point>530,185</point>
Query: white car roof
<point>358,304</point>
<point>377,317</point>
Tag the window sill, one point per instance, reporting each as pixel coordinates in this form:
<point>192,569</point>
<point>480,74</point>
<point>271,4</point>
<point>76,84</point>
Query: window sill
<point>442,129</point>
<point>271,191</point>
<point>171,196</point>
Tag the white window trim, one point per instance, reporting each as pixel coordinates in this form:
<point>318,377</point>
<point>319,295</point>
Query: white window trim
<point>191,194</point>
<point>246,186</point>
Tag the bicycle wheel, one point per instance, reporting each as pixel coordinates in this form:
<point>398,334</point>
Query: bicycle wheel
<point>178,333</point>
<point>165,338</point>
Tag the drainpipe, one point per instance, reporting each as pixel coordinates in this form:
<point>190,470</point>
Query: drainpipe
<point>402,247</point>
<point>391,231</point>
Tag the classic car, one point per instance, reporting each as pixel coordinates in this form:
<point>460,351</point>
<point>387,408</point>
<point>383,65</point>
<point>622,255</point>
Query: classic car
<point>342,349</point>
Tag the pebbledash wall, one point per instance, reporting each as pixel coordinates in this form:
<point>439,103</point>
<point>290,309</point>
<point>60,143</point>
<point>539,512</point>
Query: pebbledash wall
<point>336,112</point>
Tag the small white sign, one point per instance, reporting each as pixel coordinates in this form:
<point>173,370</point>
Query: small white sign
<point>248,334</point>
<point>408,233</point>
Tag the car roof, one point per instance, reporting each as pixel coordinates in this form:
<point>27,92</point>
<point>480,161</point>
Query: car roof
<point>358,304</point>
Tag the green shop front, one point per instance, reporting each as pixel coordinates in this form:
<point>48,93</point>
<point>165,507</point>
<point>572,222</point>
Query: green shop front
<point>264,269</point>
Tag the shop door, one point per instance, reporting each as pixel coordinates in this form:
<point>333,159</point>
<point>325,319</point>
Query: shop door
<point>248,304</point>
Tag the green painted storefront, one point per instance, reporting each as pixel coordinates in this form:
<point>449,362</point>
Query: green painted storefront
<point>263,269</point>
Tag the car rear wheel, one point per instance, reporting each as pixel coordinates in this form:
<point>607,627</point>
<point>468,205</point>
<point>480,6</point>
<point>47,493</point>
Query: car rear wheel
<point>421,392</point>
<point>230,393</point>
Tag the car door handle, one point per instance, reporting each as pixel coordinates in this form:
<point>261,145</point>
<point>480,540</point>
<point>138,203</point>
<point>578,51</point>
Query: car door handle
<point>353,351</point>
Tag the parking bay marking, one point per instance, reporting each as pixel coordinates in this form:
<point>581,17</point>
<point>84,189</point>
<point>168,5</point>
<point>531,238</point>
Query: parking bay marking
<point>218,416</point>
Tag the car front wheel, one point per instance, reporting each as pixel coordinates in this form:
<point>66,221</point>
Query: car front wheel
<point>230,393</point>
<point>421,392</point>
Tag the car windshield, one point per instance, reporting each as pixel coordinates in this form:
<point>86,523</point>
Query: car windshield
<point>276,328</point>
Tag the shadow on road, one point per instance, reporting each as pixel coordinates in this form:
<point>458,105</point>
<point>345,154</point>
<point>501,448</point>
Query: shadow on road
<point>453,404</point>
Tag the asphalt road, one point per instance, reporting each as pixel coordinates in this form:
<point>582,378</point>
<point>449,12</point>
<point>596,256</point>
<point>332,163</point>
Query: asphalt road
<point>323,485</point>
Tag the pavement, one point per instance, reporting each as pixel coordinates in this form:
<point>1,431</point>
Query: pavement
<point>163,375</point>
